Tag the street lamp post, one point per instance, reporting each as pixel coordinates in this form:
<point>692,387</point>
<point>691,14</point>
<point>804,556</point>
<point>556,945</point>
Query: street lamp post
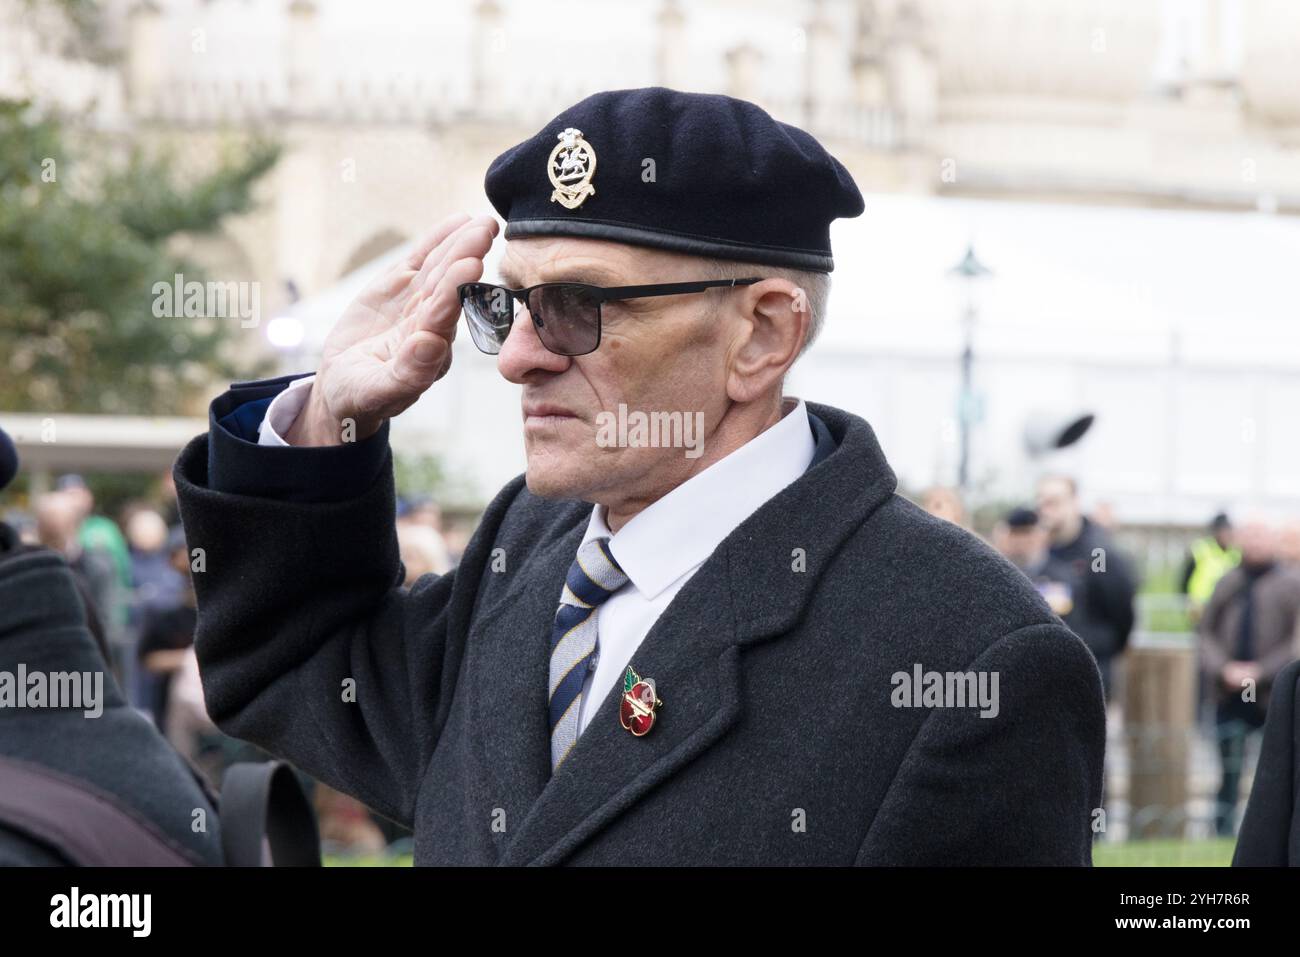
<point>969,271</point>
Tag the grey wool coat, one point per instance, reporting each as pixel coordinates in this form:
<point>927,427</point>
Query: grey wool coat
<point>781,739</point>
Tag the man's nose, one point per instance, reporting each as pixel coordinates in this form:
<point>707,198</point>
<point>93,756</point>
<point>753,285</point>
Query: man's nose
<point>523,352</point>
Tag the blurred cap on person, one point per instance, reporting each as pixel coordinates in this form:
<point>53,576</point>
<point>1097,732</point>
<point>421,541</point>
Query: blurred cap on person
<point>1021,518</point>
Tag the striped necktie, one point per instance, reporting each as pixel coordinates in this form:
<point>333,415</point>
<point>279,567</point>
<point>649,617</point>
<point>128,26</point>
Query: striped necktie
<point>593,577</point>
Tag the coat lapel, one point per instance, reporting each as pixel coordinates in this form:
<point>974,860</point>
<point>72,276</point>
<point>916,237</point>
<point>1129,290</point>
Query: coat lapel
<point>509,675</point>
<point>753,588</point>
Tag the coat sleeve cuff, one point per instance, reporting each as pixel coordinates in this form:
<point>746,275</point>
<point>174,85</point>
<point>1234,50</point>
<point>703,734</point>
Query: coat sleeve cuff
<point>237,464</point>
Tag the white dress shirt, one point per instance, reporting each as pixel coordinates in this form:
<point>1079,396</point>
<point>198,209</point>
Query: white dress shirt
<point>662,546</point>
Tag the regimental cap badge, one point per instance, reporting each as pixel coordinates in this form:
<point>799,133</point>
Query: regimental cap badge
<point>636,711</point>
<point>571,167</point>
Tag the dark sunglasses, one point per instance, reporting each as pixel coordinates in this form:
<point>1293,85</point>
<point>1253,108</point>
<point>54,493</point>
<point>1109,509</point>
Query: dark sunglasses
<point>565,314</point>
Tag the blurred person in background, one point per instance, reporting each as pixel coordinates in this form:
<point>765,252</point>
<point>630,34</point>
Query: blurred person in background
<point>154,579</point>
<point>421,510</point>
<point>1020,540</point>
<point>1023,540</point>
<point>1208,559</point>
<point>97,535</point>
<point>1288,544</point>
<point>945,503</point>
<point>422,551</point>
<point>96,532</point>
<point>92,572</point>
<point>419,536</point>
<point>167,632</point>
<point>1248,633</point>
<point>1088,574</point>
<point>155,584</point>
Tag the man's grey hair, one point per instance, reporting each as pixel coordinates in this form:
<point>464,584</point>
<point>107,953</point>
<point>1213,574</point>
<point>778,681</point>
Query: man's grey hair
<point>816,286</point>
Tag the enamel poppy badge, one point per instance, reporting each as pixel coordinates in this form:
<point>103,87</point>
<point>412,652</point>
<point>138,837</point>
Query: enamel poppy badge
<point>637,710</point>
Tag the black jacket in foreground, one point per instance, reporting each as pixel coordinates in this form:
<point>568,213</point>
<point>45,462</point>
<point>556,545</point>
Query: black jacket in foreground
<point>778,741</point>
<point>113,750</point>
<point>1270,831</point>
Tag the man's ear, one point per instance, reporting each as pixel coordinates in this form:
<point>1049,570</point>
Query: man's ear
<point>774,324</point>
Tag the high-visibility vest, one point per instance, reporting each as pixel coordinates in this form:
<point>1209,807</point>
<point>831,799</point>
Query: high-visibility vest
<point>1212,563</point>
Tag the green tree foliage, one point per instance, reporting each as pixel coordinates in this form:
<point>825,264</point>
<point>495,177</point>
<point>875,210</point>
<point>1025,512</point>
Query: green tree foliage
<point>84,236</point>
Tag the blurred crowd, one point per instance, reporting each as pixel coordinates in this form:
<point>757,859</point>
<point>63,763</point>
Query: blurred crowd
<point>133,573</point>
<point>1241,585</point>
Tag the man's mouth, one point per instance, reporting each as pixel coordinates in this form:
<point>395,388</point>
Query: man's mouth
<point>545,413</point>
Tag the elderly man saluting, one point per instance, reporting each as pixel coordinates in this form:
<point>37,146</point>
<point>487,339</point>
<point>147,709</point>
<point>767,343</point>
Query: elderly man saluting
<point>755,654</point>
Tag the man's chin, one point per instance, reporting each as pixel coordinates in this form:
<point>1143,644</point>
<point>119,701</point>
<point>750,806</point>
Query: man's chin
<point>551,483</point>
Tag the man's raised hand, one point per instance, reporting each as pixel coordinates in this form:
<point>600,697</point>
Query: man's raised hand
<point>394,340</point>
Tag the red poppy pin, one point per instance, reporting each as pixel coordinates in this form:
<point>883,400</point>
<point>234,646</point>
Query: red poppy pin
<point>637,710</point>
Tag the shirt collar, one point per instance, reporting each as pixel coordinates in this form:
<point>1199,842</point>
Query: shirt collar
<point>675,534</point>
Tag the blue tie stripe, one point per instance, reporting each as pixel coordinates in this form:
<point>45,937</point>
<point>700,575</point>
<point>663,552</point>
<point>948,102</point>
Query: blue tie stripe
<point>569,689</point>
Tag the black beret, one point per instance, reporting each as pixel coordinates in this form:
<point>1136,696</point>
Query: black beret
<point>694,173</point>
